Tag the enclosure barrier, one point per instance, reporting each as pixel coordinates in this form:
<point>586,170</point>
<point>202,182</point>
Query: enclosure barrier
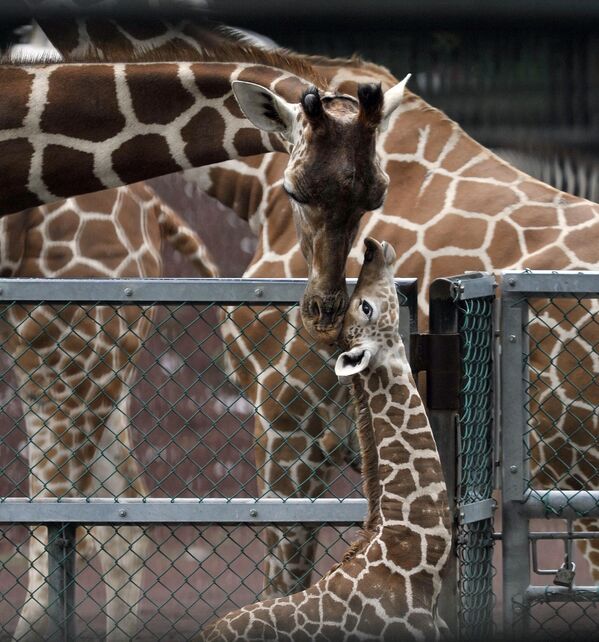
<point>460,390</point>
<point>549,346</point>
<point>129,442</point>
<point>125,439</point>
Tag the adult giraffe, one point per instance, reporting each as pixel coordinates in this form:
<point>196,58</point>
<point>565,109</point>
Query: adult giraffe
<point>452,206</point>
<point>79,420</point>
<point>159,117</point>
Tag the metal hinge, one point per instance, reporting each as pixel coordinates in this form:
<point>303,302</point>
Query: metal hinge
<point>476,511</point>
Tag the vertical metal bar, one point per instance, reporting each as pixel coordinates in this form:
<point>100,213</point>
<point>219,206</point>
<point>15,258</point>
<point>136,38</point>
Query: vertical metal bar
<point>515,546</point>
<point>61,582</point>
<point>443,319</point>
<point>408,323</point>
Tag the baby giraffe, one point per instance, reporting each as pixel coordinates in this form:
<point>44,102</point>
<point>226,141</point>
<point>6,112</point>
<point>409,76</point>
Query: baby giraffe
<point>387,585</point>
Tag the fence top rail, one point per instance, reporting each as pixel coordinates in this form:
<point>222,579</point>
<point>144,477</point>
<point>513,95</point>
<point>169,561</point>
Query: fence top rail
<point>259,291</point>
<point>470,285</point>
<point>184,511</point>
<point>548,283</point>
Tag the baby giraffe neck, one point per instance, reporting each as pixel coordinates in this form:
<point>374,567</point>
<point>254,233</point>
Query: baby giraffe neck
<point>412,496</point>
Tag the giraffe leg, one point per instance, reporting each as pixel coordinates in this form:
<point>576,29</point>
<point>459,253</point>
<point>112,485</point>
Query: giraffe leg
<point>33,620</point>
<point>290,464</point>
<point>289,560</point>
<point>123,551</point>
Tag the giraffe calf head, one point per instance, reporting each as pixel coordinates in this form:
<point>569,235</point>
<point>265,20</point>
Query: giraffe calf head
<point>371,324</point>
<point>334,176</point>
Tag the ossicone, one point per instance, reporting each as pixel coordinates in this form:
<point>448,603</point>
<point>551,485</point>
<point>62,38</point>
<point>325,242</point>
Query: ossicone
<point>312,105</point>
<point>371,99</point>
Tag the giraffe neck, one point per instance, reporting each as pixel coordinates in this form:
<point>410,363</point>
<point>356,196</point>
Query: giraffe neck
<point>412,488</point>
<point>70,129</point>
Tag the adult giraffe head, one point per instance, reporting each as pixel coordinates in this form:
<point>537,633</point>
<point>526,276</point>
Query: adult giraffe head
<point>333,177</point>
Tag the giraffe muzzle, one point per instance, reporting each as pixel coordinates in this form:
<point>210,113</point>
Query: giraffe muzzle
<point>322,315</point>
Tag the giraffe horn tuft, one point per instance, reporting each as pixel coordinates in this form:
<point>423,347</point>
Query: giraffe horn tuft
<point>312,105</point>
<point>370,97</point>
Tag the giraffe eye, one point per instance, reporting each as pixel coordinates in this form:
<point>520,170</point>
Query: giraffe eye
<point>367,309</point>
<point>293,196</point>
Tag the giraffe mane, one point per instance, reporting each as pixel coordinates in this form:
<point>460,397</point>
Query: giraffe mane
<point>372,487</point>
<point>231,47</point>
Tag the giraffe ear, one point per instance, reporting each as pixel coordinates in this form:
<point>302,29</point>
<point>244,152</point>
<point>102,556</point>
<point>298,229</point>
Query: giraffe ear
<point>388,253</point>
<point>265,109</point>
<point>391,101</point>
<point>351,362</point>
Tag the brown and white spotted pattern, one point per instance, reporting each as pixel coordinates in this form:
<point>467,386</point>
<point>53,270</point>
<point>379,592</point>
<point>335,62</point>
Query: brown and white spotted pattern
<point>452,206</point>
<point>387,585</point>
<point>78,422</point>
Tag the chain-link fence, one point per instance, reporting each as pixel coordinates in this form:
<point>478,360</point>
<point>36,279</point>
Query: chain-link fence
<point>170,450</point>
<point>550,429</point>
<point>460,391</point>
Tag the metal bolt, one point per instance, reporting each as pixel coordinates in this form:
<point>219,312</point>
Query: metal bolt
<point>123,512</point>
<point>253,512</point>
<point>462,514</point>
<point>258,292</point>
<point>511,281</point>
<point>512,338</point>
<point>128,291</point>
<point>513,469</point>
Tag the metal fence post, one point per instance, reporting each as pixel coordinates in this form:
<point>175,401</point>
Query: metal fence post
<point>443,414</point>
<point>515,545</point>
<point>61,582</point>
<point>460,382</point>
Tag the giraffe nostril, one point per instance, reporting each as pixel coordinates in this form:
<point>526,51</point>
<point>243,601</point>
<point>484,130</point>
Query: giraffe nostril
<point>315,308</point>
<point>341,304</point>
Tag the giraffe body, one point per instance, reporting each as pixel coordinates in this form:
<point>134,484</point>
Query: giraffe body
<point>452,206</point>
<point>387,585</point>
<point>77,423</point>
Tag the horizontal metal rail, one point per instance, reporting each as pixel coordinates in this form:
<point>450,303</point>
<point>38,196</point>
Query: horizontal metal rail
<point>543,283</point>
<point>225,291</point>
<point>192,511</point>
<point>559,535</point>
<point>565,504</point>
<point>562,594</point>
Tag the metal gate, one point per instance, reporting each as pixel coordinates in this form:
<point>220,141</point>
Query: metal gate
<point>550,393</point>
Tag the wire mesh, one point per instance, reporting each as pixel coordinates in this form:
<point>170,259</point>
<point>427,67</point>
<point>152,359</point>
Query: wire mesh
<point>474,545</point>
<point>179,401</point>
<point>563,395</point>
<point>559,441</point>
<point>555,621</point>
